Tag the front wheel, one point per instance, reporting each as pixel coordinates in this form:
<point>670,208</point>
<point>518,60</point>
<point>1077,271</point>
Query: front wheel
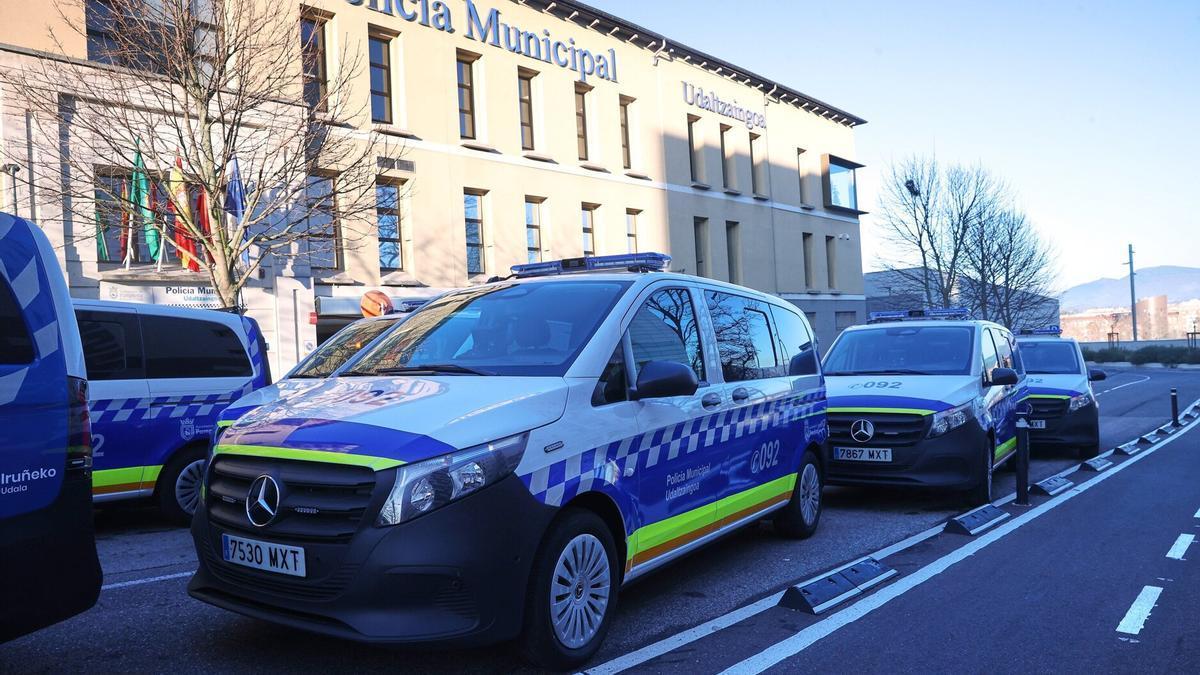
<point>179,485</point>
<point>800,517</point>
<point>572,592</point>
<point>982,492</point>
<point>1090,450</point>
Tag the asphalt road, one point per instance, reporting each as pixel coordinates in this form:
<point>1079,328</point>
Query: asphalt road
<point>144,620</point>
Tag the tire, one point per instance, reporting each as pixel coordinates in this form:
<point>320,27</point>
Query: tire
<point>982,492</point>
<point>799,519</point>
<point>1091,450</point>
<point>590,601</point>
<point>178,486</point>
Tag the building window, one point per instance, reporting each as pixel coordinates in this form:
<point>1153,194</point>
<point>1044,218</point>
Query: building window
<point>728,169</point>
<point>841,190</point>
<point>626,153</point>
<point>700,233</point>
<point>312,57</point>
<point>126,34</point>
<point>321,241</point>
<point>694,157</point>
<point>473,216</point>
<point>525,101</point>
<point>733,249</point>
<point>757,179</point>
<point>589,229</point>
<point>831,261</point>
<point>631,218</point>
<point>844,320</point>
<point>800,175</point>
<point>581,131</point>
<point>381,79</point>
<point>387,219</point>
<point>533,229</point>
<point>466,95</point>
<point>809,277</point>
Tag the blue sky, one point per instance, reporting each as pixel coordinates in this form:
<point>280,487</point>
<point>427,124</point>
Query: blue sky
<point>1090,110</point>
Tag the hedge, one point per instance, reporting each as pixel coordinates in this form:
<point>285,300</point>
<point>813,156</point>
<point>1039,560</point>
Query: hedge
<point>1168,356</point>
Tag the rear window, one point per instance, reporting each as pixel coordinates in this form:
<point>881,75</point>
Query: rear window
<point>16,344</point>
<point>903,350</point>
<point>191,348</point>
<point>1050,358</point>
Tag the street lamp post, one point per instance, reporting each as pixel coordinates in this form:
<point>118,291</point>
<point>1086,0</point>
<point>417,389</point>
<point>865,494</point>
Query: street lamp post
<point>12,170</point>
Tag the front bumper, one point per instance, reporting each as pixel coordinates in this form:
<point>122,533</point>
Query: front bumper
<point>1081,427</point>
<point>456,575</point>
<point>951,460</point>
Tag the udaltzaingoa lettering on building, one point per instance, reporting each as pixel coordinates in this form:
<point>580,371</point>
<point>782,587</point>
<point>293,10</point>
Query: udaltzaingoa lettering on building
<point>525,130</point>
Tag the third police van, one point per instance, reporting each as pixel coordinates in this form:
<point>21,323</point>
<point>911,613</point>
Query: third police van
<point>503,462</point>
<point>1064,411</point>
<point>922,398</point>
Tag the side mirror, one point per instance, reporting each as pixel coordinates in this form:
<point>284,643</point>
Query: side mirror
<point>663,379</point>
<point>1095,375</point>
<point>804,363</point>
<point>1003,377</point>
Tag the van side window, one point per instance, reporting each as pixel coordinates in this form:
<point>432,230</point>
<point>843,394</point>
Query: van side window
<point>798,346</point>
<point>1004,350</point>
<point>177,347</point>
<point>990,359</point>
<point>612,386</point>
<point>744,339</point>
<point>665,329</point>
<point>16,344</point>
<point>111,345</point>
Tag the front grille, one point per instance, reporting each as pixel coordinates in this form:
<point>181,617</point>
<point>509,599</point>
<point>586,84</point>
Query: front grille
<point>1048,408</point>
<point>891,429</point>
<point>319,501</point>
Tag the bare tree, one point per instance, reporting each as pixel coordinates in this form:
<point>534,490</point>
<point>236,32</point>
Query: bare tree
<point>1020,275</point>
<point>195,87</point>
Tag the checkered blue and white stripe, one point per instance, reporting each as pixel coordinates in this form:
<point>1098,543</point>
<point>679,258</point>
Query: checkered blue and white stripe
<point>163,407</point>
<point>558,483</point>
<point>21,264</point>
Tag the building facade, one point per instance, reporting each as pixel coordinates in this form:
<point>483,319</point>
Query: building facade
<point>523,130</point>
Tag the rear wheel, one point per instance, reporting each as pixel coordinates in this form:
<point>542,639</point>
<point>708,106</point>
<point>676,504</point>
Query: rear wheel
<point>799,519</point>
<point>178,487</point>
<point>572,592</point>
<point>982,492</point>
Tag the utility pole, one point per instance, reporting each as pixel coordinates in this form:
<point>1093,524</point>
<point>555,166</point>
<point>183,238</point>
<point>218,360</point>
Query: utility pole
<point>1132,295</point>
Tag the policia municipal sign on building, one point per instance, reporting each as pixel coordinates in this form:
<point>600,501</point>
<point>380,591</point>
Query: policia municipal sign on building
<point>525,130</point>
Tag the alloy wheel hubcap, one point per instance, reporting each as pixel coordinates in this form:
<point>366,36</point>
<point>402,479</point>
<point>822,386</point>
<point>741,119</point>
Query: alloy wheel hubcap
<point>187,486</point>
<point>579,591</point>
<point>810,494</point>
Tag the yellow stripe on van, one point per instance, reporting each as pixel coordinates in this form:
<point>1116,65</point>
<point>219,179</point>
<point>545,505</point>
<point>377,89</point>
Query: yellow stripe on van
<point>907,411</point>
<point>373,463</point>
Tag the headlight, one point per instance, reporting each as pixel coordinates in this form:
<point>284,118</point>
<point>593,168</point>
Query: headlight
<point>426,486</point>
<point>948,420</point>
<point>1081,401</point>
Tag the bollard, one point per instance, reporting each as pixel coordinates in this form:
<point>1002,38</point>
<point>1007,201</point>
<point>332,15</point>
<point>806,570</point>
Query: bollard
<point>1022,458</point>
<point>1175,407</point>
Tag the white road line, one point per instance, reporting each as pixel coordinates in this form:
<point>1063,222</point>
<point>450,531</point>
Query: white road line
<point>1139,611</point>
<point>1145,378</point>
<point>1197,514</point>
<point>793,645</point>
<point>149,580</point>
<point>1180,546</point>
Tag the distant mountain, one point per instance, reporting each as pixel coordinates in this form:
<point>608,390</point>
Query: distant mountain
<point>1177,283</point>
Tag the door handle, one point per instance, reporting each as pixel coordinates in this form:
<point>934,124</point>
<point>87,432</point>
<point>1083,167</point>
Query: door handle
<point>711,400</point>
<point>740,394</point>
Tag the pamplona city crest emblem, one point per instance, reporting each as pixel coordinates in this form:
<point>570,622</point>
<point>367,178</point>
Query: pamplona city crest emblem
<point>187,428</point>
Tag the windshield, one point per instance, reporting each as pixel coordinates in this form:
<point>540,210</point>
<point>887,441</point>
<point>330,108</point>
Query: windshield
<point>903,350</point>
<point>534,329</point>
<point>1050,358</point>
<point>338,349</point>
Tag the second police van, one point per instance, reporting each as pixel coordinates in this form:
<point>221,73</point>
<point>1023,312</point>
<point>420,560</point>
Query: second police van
<point>504,461</point>
<point>1064,410</point>
<point>922,398</point>
<point>159,376</point>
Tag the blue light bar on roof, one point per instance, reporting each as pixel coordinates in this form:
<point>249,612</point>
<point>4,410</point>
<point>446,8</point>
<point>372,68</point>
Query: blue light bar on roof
<point>649,262</point>
<point>919,314</point>
<point>1045,330</point>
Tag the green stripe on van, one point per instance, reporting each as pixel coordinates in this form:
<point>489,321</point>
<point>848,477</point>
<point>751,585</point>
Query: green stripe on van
<point>373,463</point>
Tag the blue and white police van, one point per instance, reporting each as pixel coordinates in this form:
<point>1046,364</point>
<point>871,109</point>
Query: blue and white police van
<point>504,461</point>
<point>1064,410</point>
<point>159,377</point>
<point>334,355</point>
<point>49,570</point>
<point>922,398</point>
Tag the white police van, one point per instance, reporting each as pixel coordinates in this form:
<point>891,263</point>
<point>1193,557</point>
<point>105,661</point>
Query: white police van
<point>922,398</point>
<point>513,454</point>
<point>48,565</point>
<point>159,376</point>
<point>1064,409</point>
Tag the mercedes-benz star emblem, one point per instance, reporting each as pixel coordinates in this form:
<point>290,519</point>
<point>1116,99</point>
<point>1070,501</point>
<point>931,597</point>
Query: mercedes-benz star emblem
<point>862,431</point>
<point>262,501</point>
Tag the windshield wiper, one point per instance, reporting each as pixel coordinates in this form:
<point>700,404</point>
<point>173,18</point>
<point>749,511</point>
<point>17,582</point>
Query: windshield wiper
<point>890,371</point>
<point>433,368</point>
